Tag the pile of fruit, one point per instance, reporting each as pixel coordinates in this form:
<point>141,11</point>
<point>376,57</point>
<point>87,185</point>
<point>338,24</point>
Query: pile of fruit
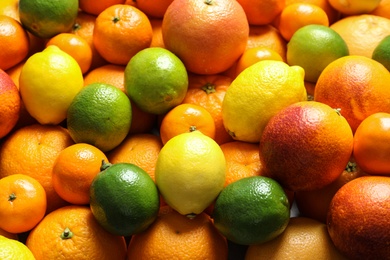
<point>194,129</point>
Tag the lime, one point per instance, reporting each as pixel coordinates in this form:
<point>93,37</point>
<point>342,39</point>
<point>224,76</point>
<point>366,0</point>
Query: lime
<point>11,249</point>
<point>252,210</point>
<point>190,172</point>
<point>313,47</point>
<point>382,52</point>
<point>48,82</point>
<point>156,80</point>
<point>257,94</point>
<point>124,198</point>
<point>100,115</point>
<point>45,19</point>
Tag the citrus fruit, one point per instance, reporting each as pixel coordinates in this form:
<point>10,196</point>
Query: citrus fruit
<point>190,172</point>
<point>49,80</point>
<point>263,11</point>
<point>157,40</point>
<point>311,152</point>
<point>120,32</point>
<point>109,74</point>
<point>21,194</point>
<point>73,171</point>
<point>186,118</point>
<point>257,94</point>
<point>362,33</point>
<point>251,210</point>
<point>173,235</point>
<point>156,80</point>
<point>354,7</point>
<point>381,52</point>
<point>153,8</point>
<point>96,7</point>
<point>11,249</point>
<point>124,199</point>
<point>196,32</point>
<point>10,105</point>
<point>303,238</point>
<point>10,8</point>
<point>32,150</point>
<point>333,14</point>
<point>100,115</point>
<point>360,80</point>
<point>47,18</point>
<point>358,218</point>
<point>371,148</point>
<point>14,42</point>
<point>313,47</point>
<point>383,9</point>
<point>71,232</point>
<point>8,234</point>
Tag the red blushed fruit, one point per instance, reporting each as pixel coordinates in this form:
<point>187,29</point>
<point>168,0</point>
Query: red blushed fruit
<point>9,105</point>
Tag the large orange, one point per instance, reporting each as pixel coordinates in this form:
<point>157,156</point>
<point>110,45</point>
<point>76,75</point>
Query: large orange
<point>22,204</point>
<point>196,32</point>
<point>209,91</point>
<point>72,232</point>
<point>306,146</point>
<point>261,12</point>
<point>358,218</point>
<point>10,104</point>
<point>14,42</point>
<point>120,32</point>
<point>361,81</point>
<point>152,8</point>
<point>32,150</point>
<point>96,7</point>
<point>174,236</point>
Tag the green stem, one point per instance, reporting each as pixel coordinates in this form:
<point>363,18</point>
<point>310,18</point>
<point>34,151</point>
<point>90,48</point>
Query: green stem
<point>104,165</point>
<point>66,234</point>
<point>12,197</point>
<point>209,88</point>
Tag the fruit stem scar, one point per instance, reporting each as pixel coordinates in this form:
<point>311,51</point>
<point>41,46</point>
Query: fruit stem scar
<point>12,197</point>
<point>338,111</point>
<point>208,2</point>
<point>104,165</point>
<point>191,215</point>
<point>115,19</point>
<point>66,234</point>
<point>192,128</point>
<point>232,134</point>
<point>208,88</point>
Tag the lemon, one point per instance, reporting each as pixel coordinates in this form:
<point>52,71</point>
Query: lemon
<point>252,210</point>
<point>156,80</point>
<point>124,199</point>
<point>45,19</point>
<point>100,115</point>
<point>258,93</point>
<point>190,172</point>
<point>382,52</point>
<point>11,249</point>
<point>313,47</point>
<point>48,82</point>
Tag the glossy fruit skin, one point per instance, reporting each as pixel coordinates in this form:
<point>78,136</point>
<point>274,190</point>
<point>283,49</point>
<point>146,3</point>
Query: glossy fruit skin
<point>124,199</point>
<point>382,53</point>
<point>13,249</point>
<point>10,105</point>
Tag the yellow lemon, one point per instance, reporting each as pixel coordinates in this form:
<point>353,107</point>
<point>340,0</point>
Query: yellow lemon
<point>11,249</point>
<point>258,93</point>
<point>190,172</point>
<point>49,80</point>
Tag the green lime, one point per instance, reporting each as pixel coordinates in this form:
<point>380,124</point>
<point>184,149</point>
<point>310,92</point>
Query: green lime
<point>252,210</point>
<point>313,47</point>
<point>382,52</point>
<point>156,80</point>
<point>124,199</point>
<point>100,114</point>
<point>45,18</point>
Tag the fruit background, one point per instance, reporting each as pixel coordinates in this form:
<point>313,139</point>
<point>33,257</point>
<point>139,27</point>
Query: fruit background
<point>194,129</point>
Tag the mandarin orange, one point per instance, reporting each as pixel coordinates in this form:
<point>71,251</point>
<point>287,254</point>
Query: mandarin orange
<point>263,11</point>
<point>333,14</point>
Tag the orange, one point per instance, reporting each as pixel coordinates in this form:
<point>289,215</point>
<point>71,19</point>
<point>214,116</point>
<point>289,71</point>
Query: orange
<point>153,8</point>
<point>360,80</point>
<point>10,104</point>
<point>120,32</point>
<point>157,40</point>
<point>354,7</point>
<point>256,54</point>
<point>196,32</point>
<point>362,33</point>
<point>73,171</point>
<point>315,204</point>
<point>371,147</point>
<point>306,146</point>
<point>297,15</point>
<point>139,149</point>
<point>96,7</point>
<point>174,236</point>
<point>333,14</point>
<point>358,218</point>
<point>72,232</point>
<point>8,234</point>
<point>186,118</point>
<point>261,12</point>
<point>76,46</point>
<point>23,203</point>
<point>242,160</point>
<point>83,26</point>
<point>14,42</point>
<point>32,150</point>
<point>383,9</point>
<point>208,91</point>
